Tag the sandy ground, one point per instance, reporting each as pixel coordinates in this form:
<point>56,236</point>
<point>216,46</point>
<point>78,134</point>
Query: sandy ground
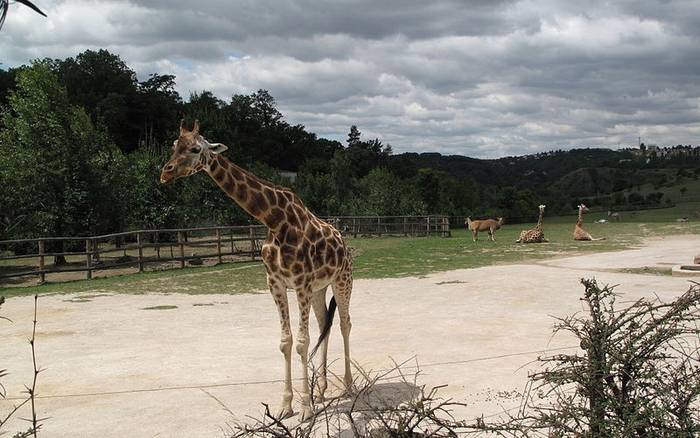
<point>115,368</point>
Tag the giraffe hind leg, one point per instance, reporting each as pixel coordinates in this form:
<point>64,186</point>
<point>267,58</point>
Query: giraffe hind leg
<point>342,290</point>
<point>324,317</point>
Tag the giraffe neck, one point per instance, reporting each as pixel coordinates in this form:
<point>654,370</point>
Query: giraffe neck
<point>579,222</point>
<point>259,198</point>
<point>539,221</point>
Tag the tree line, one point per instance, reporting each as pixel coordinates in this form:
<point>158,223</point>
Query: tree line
<point>82,140</point>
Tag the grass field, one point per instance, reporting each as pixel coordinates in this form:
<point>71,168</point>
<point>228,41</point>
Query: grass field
<point>396,257</point>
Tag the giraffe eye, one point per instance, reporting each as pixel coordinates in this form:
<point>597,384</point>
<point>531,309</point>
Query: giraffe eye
<point>195,149</point>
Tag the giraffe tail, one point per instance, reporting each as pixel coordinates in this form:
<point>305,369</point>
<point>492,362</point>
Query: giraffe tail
<point>326,328</point>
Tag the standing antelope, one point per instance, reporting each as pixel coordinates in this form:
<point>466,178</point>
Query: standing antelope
<point>490,225</point>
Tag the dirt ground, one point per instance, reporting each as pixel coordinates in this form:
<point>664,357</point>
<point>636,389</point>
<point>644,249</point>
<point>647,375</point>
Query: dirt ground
<point>148,365</point>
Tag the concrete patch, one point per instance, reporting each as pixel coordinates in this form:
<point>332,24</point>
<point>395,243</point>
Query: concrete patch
<point>114,371</point>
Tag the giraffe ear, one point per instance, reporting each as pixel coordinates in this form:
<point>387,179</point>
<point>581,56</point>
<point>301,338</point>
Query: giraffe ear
<point>217,148</point>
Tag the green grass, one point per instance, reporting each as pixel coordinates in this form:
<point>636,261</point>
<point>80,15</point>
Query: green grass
<point>392,257</point>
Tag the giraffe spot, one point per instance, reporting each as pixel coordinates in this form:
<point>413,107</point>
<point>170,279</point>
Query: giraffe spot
<point>270,195</point>
<point>228,185</point>
<point>340,253</point>
<point>330,257</point>
<point>219,174</point>
<point>236,173</point>
<point>297,268</point>
<point>253,183</point>
<point>257,204</point>
<point>214,165</point>
<point>326,231</point>
<point>282,200</point>
<point>292,238</point>
<point>274,217</point>
<point>241,192</point>
<point>292,218</point>
<point>313,234</point>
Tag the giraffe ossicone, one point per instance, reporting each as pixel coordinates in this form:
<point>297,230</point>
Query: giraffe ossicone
<point>301,252</point>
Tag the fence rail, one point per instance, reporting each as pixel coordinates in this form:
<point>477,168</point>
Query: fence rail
<point>161,248</point>
<point>363,226</point>
<point>136,249</point>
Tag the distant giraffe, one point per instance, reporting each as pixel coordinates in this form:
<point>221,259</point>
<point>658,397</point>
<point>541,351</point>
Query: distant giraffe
<point>535,235</point>
<point>301,252</point>
<point>614,216</point>
<point>579,232</point>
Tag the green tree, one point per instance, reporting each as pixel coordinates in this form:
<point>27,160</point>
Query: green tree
<point>58,172</point>
<point>384,194</point>
<point>354,136</point>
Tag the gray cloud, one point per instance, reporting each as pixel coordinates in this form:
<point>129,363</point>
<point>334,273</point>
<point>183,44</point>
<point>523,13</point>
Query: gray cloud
<point>481,78</point>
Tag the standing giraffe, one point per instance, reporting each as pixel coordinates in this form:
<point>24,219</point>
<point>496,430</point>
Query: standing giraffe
<point>301,252</point>
<point>535,235</point>
<point>579,232</point>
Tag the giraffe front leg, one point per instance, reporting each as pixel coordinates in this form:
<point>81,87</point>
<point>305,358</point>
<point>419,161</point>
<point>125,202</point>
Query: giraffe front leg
<point>279,293</point>
<point>304,297</point>
<point>320,310</point>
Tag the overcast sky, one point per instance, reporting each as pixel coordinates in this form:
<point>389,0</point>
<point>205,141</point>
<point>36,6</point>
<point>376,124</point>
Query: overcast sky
<point>481,78</point>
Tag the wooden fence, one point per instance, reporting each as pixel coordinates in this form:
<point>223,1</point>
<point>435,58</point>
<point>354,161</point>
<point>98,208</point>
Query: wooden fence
<point>364,226</point>
<point>132,249</point>
<point>169,248</point>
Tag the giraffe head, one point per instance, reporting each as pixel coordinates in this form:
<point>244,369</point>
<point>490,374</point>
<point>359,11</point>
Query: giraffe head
<point>190,153</point>
<point>582,208</point>
<point>542,206</point>
<point>500,220</point>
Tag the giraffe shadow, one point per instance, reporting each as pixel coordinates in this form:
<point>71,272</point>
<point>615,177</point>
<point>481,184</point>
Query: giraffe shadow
<point>377,400</point>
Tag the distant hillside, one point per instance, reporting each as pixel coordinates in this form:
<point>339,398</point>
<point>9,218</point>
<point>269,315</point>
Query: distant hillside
<point>577,172</point>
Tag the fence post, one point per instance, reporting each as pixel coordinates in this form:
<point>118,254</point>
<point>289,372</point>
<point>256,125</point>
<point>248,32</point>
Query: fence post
<point>379,226</point>
<point>354,228</point>
<point>157,244</point>
<point>405,233</point>
<point>42,276</point>
<point>180,240</point>
<point>252,241</point>
<point>88,259</point>
<point>427,225</point>
<point>139,243</point>
<point>218,244</point>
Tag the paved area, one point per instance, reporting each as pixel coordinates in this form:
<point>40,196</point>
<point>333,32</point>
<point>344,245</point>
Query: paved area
<point>148,365</point>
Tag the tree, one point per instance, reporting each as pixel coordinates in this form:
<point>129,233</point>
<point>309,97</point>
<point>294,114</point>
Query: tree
<point>384,194</point>
<point>107,89</point>
<point>354,136</point>
<point>57,170</point>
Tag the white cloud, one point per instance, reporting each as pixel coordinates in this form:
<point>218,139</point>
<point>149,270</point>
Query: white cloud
<point>478,78</point>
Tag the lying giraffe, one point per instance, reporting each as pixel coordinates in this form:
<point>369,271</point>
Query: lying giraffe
<point>301,252</point>
<point>535,235</point>
<point>579,232</point>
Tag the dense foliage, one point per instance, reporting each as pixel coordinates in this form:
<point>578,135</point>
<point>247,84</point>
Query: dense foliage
<point>82,141</point>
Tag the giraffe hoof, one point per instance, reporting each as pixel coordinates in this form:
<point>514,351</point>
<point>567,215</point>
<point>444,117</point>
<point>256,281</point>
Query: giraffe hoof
<point>285,412</point>
<point>306,413</point>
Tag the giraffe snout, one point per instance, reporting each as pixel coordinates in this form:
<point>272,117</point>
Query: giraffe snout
<point>166,175</point>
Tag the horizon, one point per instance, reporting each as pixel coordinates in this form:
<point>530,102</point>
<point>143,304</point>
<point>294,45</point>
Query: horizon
<point>483,79</point>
